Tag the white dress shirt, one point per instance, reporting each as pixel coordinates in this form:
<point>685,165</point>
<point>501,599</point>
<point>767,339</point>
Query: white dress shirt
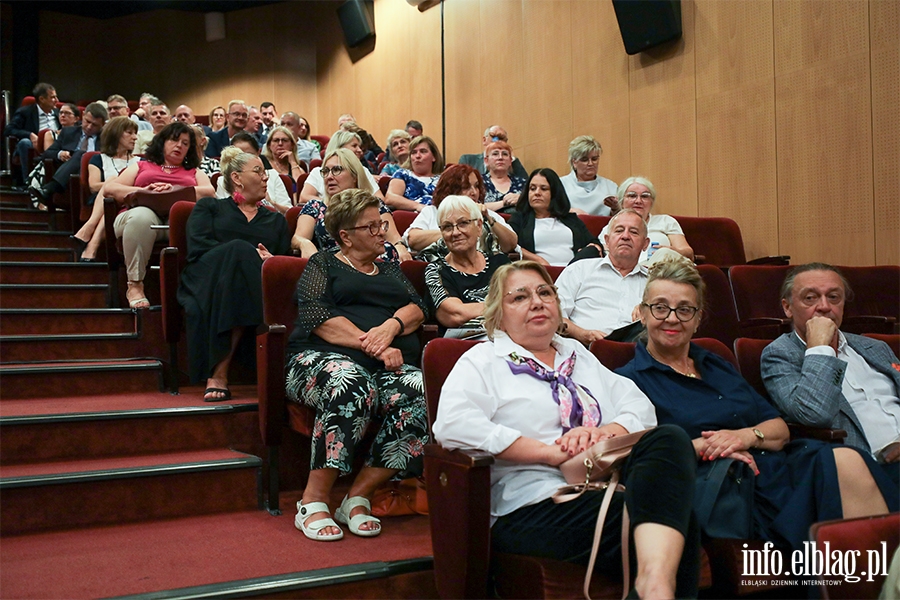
<point>871,394</point>
<point>47,120</point>
<point>484,406</point>
<point>594,295</point>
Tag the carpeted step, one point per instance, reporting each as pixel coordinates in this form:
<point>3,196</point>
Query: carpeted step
<point>106,491</point>
<point>60,321</point>
<point>39,430</point>
<point>15,213</point>
<point>37,255</point>
<point>92,295</point>
<point>41,380</point>
<point>248,553</point>
<point>34,239</point>
<point>9,197</point>
<point>53,273</point>
<point>24,225</point>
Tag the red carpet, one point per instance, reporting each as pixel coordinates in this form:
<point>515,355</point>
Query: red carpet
<point>146,557</point>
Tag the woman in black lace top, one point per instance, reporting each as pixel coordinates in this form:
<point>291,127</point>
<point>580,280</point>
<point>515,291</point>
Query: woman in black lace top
<point>350,359</point>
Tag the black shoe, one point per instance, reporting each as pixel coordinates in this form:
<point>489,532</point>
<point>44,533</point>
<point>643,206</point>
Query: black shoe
<point>39,196</point>
<point>80,246</point>
<point>87,260</point>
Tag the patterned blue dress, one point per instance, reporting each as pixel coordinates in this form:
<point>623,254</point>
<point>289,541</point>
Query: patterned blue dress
<point>416,189</point>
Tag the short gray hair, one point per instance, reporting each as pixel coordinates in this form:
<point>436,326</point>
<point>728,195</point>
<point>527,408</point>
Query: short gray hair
<point>626,211</point>
<point>623,187</point>
<point>787,288</point>
<point>457,203</point>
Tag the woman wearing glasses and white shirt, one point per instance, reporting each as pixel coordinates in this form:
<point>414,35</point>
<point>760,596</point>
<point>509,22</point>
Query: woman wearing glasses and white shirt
<point>588,192</point>
<point>341,171</point>
<point>666,235</point>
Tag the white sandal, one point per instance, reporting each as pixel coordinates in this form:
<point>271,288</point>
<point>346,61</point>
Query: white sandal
<point>312,530</point>
<point>342,514</point>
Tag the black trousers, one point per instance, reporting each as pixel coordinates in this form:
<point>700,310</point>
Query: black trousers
<point>659,484</point>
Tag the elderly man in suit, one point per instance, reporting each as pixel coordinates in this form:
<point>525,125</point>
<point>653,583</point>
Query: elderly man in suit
<point>821,376</point>
<point>492,134</point>
<point>71,143</point>
<point>29,120</point>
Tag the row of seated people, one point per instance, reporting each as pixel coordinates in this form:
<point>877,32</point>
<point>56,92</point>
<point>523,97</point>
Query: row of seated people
<point>354,338</point>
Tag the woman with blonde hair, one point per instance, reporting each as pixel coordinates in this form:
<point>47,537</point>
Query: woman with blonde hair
<point>588,192</point>
<point>398,151</point>
<point>341,171</point>
<point>281,152</point>
<point>315,183</point>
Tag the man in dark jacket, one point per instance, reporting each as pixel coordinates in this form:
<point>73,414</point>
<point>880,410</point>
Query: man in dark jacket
<point>29,120</point>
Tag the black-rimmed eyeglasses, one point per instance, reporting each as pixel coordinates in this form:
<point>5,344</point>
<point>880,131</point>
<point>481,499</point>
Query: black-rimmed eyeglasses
<point>662,311</point>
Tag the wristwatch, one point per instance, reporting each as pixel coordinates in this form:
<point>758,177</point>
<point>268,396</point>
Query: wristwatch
<point>760,437</point>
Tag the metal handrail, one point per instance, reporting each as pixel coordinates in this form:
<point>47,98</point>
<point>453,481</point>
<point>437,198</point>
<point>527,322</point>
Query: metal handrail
<point>7,159</point>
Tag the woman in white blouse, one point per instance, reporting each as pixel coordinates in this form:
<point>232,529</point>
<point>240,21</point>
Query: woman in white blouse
<point>588,192</point>
<point>499,398</point>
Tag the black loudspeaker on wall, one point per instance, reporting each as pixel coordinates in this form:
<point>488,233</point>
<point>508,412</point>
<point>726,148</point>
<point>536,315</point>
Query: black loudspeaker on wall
<point>358,21</point>
<point>647,23</point>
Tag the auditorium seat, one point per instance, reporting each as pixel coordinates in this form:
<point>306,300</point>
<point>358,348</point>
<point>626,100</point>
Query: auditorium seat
<point>875,305</point>
<point>892,340</point>
<point>718,241</point>
<point>594,223</point>
<point>79,191</point>
<point>757,297</point>
<point>172,261</point>
<point>403,219</point>
<point>719,319</point>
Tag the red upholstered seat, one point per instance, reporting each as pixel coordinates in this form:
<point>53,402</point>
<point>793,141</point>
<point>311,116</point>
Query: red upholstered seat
<point>891,339</point>
<point>875,306</point>
<point>757,298</point>
<point>718,241</point>
<point>403,219</point>
<point>172,261</point>
<point>594,223</point>
<point>720,319</point>
<point>79,191</point>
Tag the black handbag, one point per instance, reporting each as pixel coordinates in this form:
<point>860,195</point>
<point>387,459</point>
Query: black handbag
<point>723,499</point>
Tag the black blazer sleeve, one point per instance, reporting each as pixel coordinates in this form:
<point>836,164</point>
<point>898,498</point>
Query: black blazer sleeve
<point>24,122</point>
<point>523,225</point>
<point>67,139</point>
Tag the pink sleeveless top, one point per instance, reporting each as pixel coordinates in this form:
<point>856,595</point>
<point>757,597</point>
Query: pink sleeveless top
<point>149,172</point>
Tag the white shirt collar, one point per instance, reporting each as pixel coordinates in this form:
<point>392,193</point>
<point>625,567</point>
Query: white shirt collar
<point>638,268</point>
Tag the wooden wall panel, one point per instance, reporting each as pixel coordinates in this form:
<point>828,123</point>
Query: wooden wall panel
<point>809,33</point>
<point>504,65</point>
<point>884,19</point>
<point>736,162</point>
<point>824,144</point>
<point>464,59</point>
<point>600,85</point>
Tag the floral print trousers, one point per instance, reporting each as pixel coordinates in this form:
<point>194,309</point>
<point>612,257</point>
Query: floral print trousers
<point>347,398</point>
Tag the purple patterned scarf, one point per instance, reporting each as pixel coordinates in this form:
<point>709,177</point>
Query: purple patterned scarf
<point>574,409</point>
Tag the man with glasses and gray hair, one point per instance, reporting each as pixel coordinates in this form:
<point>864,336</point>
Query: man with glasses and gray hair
<point>600,295</point>
<point>235,120</point>
<point>492,134</point>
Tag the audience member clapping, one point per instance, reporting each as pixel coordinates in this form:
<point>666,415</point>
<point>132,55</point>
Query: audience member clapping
<point>411,187</point>
<point>549,233</point>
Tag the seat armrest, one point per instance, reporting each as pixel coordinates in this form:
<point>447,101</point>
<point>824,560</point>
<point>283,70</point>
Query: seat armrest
<point>73,197</point>
<point>765,327</point>
<point>270,347</point>
<point>459,505</point>
<point>869,324</point>
<point>168,284</point>
<point>699,259</point>
<point>110,211</point>
<point>770,260</point>
<point>835,436</point>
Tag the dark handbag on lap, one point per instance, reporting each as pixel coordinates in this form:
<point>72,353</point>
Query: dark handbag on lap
<point>595,469</point>
<point>723,498</point>
<point>160,202</point>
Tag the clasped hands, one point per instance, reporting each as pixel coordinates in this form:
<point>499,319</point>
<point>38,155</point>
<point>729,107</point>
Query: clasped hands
<point>579,439</point>
<point>376,342</point>
<point>725,443</point>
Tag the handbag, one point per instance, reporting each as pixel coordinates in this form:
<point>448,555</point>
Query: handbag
<point>723,499</point>
<point>399,498</point>
<point>597,468</point>
<point>160,202</point>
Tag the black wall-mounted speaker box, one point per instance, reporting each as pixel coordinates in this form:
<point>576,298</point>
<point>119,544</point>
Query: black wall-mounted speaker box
<point>358,21</point>
<point>647,23</point>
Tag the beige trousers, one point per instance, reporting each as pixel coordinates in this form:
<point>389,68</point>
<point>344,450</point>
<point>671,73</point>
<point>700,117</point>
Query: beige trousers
<point>133,226</point>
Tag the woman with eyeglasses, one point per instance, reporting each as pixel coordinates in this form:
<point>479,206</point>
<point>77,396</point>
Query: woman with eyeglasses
<point>458,281</point>
<point>501,189</point>
<point>588,192</point>
<point>796,482</point>
<point>281,151</point>
<point>69,114</point>
<point>666,236</point>
<point>534,399</point>
<point>278,196</point>
<point>341,171</point>
<point>350,359</point>
<point>216,119</point>
<point>424,235</point>
<point>221,287</point>
<point>315,183</point>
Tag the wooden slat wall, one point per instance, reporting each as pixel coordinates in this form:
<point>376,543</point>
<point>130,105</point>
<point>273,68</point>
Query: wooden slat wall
<point>781,114</point>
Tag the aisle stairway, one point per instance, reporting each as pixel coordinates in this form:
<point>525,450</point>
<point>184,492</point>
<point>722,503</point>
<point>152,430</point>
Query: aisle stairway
<point>111,486</point>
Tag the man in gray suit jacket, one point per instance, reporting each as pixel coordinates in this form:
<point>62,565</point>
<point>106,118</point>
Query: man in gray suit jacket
<point>820,376</point>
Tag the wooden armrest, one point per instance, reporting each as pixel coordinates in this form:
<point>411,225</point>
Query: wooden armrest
<point>270,348</point>
<point>835,436</point>
<point>110,210</point>
<point>459,501</point>
<point>770,260</point>
<point>869,324</point>
<point>699,259</point>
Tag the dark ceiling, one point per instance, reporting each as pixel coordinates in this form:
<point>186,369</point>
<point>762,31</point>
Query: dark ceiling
<point>109,10</point>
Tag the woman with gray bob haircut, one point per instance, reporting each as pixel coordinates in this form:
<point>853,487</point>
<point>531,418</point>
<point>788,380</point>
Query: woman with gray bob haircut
<point>588,192</point>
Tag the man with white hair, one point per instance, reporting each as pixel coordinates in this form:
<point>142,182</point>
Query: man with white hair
<point>492,134</point>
